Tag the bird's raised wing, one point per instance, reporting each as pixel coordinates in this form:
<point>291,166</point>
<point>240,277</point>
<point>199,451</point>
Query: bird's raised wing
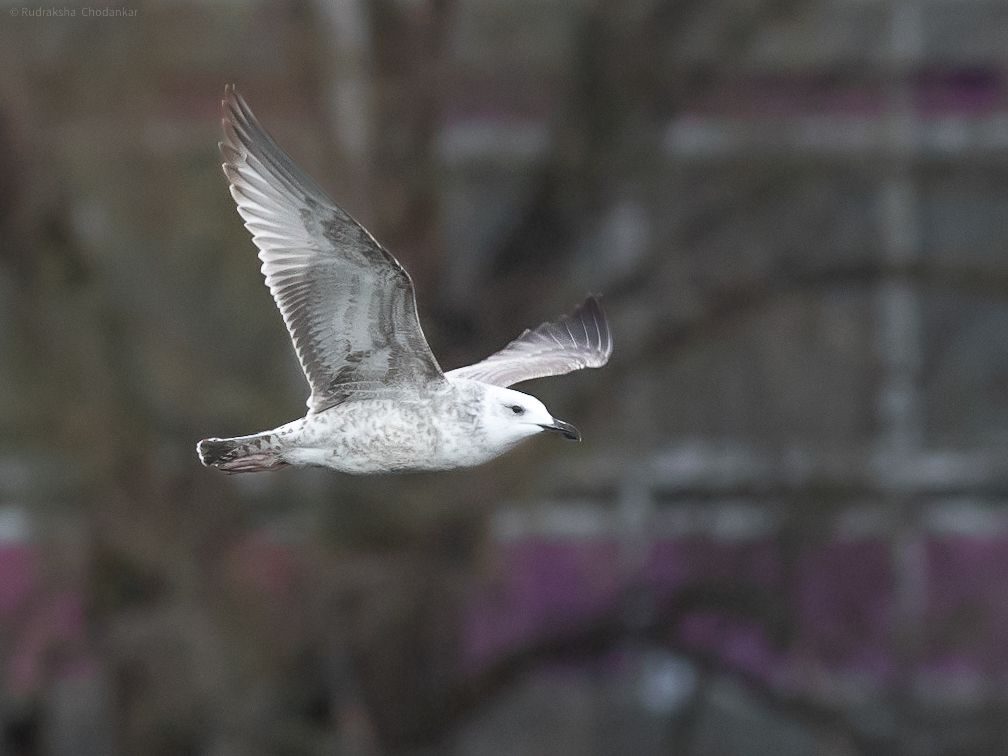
<point>575,341</point>
<point>348,304</point>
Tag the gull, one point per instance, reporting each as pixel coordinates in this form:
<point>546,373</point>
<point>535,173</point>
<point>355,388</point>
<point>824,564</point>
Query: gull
<point>379,400</point>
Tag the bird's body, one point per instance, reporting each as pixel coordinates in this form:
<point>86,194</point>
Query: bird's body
<point>379,400</point>
<point>436,428</point>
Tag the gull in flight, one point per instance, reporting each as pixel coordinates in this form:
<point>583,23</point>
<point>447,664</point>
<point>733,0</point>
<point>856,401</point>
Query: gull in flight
<point>379,400</point>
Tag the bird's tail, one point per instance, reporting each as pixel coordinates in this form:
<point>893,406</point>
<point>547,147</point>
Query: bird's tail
<point>242,454</point>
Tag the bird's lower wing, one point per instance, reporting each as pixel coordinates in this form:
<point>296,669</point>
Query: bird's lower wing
<point>347,302</point>
<point>579,340</point>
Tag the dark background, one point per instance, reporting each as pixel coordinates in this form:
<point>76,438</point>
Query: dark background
<point>785,531</point>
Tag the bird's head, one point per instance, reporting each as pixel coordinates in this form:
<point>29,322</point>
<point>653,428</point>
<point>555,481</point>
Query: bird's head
<point>509,416</point>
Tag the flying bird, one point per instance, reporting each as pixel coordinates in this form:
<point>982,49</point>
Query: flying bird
<point>379,401</point>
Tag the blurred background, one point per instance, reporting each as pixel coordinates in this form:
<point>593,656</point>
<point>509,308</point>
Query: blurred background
<point>786,529</point>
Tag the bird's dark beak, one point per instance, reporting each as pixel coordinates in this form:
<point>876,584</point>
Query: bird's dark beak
<point>568,430</point>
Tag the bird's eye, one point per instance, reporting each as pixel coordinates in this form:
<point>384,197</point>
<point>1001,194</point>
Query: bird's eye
<point>517,409</point>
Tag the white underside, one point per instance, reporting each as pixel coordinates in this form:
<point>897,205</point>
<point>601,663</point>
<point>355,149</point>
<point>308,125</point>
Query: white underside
<point>376,436</point>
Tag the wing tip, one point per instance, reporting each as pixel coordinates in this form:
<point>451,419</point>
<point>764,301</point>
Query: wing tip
<point>230,93</point>
<point>227,103</point>
<point>237,121</point>
<point>592,306</point>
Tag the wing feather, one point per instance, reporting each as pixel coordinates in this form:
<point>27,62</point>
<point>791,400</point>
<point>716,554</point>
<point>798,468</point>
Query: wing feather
<point>554,348</point>
<point>349,305</point>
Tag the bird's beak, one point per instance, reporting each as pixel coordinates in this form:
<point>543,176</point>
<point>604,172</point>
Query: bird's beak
<point>568,430</point>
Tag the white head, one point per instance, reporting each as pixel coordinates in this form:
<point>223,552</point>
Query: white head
<point>509,416</point>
